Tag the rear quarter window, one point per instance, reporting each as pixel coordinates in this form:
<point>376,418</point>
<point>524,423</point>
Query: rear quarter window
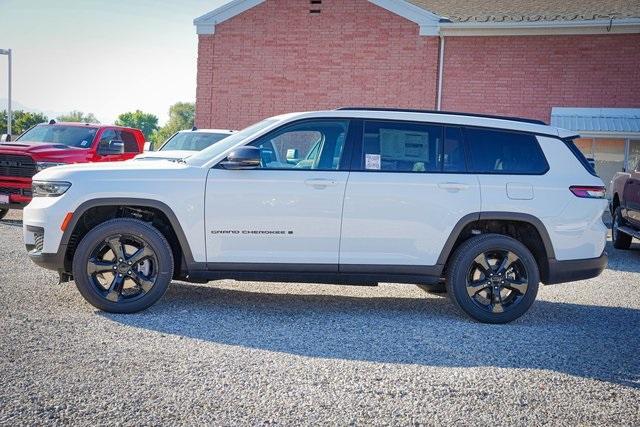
<point>503,152</point>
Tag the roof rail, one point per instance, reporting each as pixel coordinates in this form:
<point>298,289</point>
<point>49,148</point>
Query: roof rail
<point>455,113</point>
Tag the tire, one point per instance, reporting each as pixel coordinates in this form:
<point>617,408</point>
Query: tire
<point>620,240</point>
<point>128,283</point>
<point>3,213</point>
<point>474,278</point>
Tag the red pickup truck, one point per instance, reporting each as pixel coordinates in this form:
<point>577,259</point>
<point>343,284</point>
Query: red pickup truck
<point>56,144</point>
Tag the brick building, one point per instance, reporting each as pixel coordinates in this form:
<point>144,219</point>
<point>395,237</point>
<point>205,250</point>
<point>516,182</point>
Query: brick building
<point>257,58</point>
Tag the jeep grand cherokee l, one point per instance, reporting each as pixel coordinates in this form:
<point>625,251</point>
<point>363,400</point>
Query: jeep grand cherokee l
<point>489,207</point>
<point>55,144</point>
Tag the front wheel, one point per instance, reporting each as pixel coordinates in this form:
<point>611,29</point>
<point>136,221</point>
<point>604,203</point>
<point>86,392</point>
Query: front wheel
<point>493,278</point>
<point>3,213</point>
<point>123,266</point>
<point>620,240</point>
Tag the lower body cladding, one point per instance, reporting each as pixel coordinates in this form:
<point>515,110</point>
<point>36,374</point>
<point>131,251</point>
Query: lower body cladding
<point>367,275</point>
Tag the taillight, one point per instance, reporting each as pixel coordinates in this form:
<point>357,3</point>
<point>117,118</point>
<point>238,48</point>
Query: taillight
<point>588,192</point>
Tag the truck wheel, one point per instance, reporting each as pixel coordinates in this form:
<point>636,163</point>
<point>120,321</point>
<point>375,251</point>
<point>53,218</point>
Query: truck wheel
<point>493,278</point>
<point>123,266</point>
<point>3,212</point>
<point>620,240</point>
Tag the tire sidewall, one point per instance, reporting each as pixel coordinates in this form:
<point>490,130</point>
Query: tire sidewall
<point>139,229</point>
<point>463,260</point>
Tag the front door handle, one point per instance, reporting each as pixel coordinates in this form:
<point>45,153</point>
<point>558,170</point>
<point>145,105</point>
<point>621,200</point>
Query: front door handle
<point>453,186</point>
<point>320,183</point>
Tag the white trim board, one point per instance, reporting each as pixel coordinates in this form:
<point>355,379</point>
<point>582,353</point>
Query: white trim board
<point>427,21</point>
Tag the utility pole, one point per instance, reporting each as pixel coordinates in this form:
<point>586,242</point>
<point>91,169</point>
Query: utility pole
<point>9,113</point>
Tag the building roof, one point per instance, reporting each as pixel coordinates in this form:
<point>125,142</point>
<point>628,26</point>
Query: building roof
<point>475,17</point>
<point>597,120</point>
<point>530,10</point>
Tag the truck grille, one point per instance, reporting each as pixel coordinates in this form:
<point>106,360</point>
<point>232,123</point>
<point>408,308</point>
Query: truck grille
<point>16,165</point>
<point>21,191</point>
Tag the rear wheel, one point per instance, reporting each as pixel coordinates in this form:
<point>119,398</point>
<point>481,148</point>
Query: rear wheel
<point>3,212</point>
<point>123,266</point>
<point>620,240</point>
<point>493,278</point>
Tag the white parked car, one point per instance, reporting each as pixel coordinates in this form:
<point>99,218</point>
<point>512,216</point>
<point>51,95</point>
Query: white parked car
<point>185,143</point>
<point>489,207</point>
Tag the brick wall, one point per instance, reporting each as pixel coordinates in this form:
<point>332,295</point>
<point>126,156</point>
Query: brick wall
<point>526,76</point>
<point>277,57</point>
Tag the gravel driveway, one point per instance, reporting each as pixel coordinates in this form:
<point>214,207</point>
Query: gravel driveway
<point>248,353</point>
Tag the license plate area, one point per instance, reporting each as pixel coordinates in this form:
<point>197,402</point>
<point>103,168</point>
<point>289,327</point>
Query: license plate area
<point>4,199</point>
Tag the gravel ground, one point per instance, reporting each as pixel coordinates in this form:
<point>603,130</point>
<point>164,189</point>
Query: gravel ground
<point>248,353</point>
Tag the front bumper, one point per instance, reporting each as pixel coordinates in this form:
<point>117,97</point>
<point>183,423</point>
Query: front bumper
<point>575,269</point>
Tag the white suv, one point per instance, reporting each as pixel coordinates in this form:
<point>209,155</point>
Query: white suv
<point>486,206</point>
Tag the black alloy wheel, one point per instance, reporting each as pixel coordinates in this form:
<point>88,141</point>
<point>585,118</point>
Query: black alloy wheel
<point>122,268</point>
<point>493,278</point>
<point>497,281</point>
<point>123,265</point>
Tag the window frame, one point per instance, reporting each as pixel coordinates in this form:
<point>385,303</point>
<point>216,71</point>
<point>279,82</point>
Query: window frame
<point>470,168</point>
<point>347,151</point>
<point>358,162</point>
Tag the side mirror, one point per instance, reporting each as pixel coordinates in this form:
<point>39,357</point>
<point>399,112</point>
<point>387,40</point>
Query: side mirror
<point>5,137</point>
<point>148,146</point>
<point>111,148</point>
<point>292,155</point>
<point>242,158</point>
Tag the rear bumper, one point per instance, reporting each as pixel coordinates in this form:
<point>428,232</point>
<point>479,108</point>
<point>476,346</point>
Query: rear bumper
<point>575,269</point>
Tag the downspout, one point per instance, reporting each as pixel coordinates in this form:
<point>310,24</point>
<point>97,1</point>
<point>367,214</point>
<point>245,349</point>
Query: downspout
<point>440,74</point>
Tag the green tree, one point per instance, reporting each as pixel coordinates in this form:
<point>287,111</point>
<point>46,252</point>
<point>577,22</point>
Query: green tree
<point>78,116</point>
<point>146,122</point>
<point>181,116</point>
<point>22,120</point>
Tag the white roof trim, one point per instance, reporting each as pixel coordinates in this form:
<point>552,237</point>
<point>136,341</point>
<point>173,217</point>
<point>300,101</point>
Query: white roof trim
<point>427,21</point>
<point>596,26</point>
<point>206,24</point>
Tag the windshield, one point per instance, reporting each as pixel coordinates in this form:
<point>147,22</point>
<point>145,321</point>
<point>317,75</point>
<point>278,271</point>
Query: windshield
<point>192,141</point>
<point>72,136</point>
<point>229,142</point>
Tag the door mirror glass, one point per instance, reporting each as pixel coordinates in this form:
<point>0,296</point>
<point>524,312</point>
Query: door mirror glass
<point>243,158</point>
<point>111,148</point>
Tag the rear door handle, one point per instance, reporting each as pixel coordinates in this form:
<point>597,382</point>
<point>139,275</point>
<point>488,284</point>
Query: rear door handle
<point>453,186</point>
<point>320,183</point>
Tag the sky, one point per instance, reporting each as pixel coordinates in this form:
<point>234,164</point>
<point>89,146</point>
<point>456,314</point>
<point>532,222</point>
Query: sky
<point>101,56</point>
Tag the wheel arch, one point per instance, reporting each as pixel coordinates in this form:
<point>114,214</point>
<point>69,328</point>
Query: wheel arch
<point>77,227</point>
<point>464,229</point>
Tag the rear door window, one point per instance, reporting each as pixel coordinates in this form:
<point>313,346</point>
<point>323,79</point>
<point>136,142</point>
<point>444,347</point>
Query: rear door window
<point>504,152</point>
<point>402,147</point>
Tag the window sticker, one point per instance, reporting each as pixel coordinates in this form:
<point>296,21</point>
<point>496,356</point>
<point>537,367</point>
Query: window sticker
<point>84,143</point>
<point>372,162</point>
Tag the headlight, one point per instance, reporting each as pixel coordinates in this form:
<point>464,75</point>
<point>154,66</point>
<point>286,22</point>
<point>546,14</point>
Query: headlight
<point>49,188</point>
<point>40,166</point>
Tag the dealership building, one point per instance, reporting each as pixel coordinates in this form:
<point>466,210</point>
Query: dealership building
<point>571,63</point>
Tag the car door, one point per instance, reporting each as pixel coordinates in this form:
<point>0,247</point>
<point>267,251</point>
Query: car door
<point>407,190</point>
<point>106,135</point>
<point>286,214</point>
